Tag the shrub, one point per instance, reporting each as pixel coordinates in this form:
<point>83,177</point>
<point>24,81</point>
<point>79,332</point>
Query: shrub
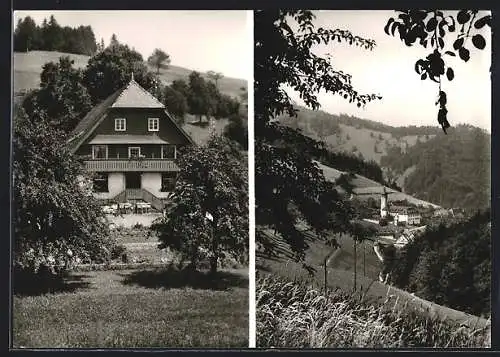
<point>118,251</point>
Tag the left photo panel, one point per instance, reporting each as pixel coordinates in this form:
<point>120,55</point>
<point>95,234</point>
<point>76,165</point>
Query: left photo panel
<point>130,219</point>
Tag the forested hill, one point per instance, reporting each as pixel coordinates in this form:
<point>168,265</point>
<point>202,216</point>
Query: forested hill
<point>50,36</point>
<point>451,170</point>
<point>450,265</point>
<point>364,138</point>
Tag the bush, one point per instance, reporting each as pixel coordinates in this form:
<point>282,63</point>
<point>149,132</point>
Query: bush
<point>118,251</point>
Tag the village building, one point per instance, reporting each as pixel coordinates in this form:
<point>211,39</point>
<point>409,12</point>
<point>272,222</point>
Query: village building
<point>406,215</point>
<point>130,143</point>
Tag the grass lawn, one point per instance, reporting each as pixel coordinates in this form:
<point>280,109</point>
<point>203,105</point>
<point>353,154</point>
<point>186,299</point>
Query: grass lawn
<point>126,309</point>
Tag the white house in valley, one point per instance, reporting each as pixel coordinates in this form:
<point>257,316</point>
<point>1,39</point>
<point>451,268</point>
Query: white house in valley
<point>130,142</point>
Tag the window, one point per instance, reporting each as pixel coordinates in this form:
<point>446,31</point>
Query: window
<point>99,152</point>
<point>134,152</point>
<point>100,183</point>
<point>168,181</point>
<point>168,152</point>
<point>120,124</point>
<point>153,124</point>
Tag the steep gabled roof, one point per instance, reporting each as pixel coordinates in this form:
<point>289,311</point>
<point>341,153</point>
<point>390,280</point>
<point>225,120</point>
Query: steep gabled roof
<point>134,96</point>
<point>130,96</point>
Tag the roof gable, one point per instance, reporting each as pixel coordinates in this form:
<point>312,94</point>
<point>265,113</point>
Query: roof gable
<point>134,96</point>
<point>129,96</point>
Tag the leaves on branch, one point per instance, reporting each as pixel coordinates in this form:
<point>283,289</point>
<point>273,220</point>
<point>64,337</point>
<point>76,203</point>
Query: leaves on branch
<point>433,27</point>
<point>464,54</point>
<point>463,16</point>
<point>458,43</point>
<point>449,74</point>
<point>485,20</point>
<point>442,113</point>
<point>289,186</point>
<point>478,41</point>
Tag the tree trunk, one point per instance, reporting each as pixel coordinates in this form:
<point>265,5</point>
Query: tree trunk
<point>364,259</point>
<point>215,246</point>
<point>355,263</point>
<point>213,264</point>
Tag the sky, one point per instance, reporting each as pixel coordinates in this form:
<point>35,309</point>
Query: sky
<point>197,40</point>
<point>220,41</point>
<point>388,70</point>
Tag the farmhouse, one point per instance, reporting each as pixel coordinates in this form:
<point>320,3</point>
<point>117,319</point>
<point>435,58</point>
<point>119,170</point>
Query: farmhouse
<point>130,143</point>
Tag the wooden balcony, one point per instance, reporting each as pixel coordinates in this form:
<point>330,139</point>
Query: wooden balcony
<point>121,165</point>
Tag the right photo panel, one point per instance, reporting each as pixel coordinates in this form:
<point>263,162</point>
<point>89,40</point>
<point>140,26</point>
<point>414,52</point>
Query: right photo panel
<point>372,178</point>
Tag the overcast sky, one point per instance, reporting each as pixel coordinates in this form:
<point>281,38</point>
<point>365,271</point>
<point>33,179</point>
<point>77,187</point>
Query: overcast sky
<point>389,71</point>
<point>198,40</point>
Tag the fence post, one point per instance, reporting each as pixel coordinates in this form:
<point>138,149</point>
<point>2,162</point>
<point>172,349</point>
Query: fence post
<point>326,273</point>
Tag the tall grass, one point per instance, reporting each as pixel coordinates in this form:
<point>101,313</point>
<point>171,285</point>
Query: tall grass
<point>292,315</point>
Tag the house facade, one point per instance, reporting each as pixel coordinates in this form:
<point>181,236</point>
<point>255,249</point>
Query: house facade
<point>130,143</point>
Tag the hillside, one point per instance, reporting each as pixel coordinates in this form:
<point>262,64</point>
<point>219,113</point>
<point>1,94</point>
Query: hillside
<point>201,134</point>
<point>452,170</point>
<point>368,139</point>
<point>341,274</point>
<point>449,170</point>
<point>28,66</point>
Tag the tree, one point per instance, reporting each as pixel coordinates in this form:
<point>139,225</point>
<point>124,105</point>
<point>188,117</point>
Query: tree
<point>180,86</point>
<point>176,103</point>
<point>215,76</point>
<point>52,35</point>
<point>158,58</point>
<point>113,41</point>
<point>243,94</point>
<point>214,105</point>
<point>56,222</point>
<point>112,68</point>
<point>208,219</point>
<point>450,264</point>
<point>237,131</point>
<point>61,96</point>
<point>226,106</point>
<point>284,172</point>
<point>435,28</point>
<point>197,95</point>
<point>26,35</point>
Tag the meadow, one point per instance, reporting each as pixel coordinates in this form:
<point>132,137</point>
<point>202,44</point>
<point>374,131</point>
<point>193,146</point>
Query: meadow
<point>145,303</point>
<point>134,309</point>
<point>28,66</point>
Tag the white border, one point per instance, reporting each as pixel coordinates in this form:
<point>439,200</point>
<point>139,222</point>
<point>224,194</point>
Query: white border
<point>251,188</point>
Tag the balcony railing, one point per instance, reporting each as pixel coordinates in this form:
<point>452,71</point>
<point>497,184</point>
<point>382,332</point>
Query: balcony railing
<point>119,165</point>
